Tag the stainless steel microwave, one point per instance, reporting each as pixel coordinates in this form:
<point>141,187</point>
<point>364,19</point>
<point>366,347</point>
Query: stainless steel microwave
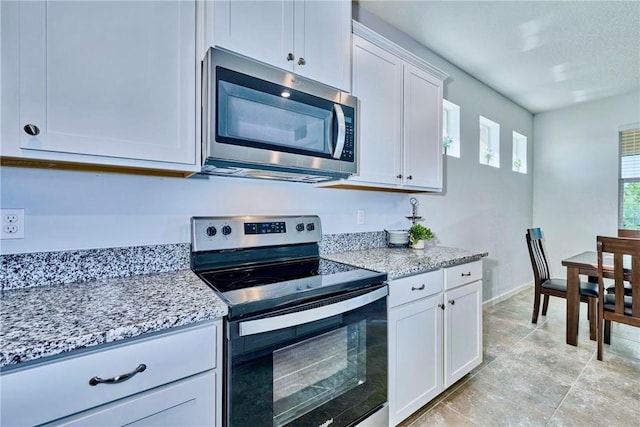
<point>262,122</point>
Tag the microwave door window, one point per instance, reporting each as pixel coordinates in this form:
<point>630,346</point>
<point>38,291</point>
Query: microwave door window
<point>258,119</point>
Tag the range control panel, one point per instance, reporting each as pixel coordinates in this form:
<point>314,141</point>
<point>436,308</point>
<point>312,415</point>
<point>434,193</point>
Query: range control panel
<point>236,232</point>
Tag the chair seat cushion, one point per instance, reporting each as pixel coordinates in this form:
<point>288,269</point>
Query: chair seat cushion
<point>610,301</point>
<point>586,288</point>
<point>627,289</point>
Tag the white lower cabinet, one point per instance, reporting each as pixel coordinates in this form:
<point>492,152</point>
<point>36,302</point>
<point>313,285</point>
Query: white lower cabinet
<point>463,331</point>
<point>435,334</point>
<point>415,356</point>
<point>174,381</point>
<point>189,402</point>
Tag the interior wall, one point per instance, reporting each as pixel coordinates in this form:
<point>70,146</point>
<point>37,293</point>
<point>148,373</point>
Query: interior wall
<point>576,174</point>
<point>482,208</point>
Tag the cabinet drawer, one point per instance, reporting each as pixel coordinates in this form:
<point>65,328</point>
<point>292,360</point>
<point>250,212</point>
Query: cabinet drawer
<point>461,274</point>
<point>411,288</point>
<point>61,387</point>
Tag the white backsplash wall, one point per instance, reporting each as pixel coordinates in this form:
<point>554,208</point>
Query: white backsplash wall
<point>81,210</point>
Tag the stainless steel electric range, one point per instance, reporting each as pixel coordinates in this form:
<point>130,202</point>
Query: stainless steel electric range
<point>306,338</point>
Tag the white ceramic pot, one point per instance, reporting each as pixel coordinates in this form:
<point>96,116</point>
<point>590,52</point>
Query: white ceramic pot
<point>418,245</point>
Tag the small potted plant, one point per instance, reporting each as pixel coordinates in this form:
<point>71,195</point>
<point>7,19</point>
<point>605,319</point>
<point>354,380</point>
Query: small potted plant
<point>517,163</point>
<point>418,234</point>
<point>446,142</point>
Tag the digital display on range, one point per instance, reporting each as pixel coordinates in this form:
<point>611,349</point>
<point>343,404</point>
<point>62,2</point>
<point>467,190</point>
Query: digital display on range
<point>264,227</point>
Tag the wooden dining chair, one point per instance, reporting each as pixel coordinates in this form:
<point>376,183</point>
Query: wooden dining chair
<point>632,234</point>
<point>618,307</point>
<point>545,285</point>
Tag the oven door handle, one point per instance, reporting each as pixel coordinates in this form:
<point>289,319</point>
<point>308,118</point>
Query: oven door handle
<point>252,327</point>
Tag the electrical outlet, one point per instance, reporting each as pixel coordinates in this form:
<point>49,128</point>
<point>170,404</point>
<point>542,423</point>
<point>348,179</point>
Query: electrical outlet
<point>360,217</point>
<point>11,223</point>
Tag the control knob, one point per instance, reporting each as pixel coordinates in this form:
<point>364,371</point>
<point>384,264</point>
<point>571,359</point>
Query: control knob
<point>211,231</point>
<point>311,226</point>
<point>300,227</point>
<point>226,230</point>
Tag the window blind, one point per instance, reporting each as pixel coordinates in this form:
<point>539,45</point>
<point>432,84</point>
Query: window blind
<point>630,154</point>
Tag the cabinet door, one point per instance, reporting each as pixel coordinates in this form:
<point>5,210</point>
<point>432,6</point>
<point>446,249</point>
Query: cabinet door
<point>422,129</point>
<point>189,402</point>
<point>112,79</point>
<point>322,41</point>
<point>377,82</point>
<point>415,356</point>
<point>462,331</point>
<point>259,29</point>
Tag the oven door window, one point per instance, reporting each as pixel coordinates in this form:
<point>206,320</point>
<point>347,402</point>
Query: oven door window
<point>331,370</point>
<point>313,372</point>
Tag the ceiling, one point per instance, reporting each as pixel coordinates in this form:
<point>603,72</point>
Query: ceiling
<point>543,55</point>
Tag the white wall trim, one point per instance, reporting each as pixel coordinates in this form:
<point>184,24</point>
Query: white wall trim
<point>506,295</point>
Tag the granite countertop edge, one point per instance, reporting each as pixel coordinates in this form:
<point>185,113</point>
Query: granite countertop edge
<point>402,262</point>
<point>45,322</point>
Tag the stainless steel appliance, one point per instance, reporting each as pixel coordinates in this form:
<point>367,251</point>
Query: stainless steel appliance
<point>306,338</point>
<point>261,122</point>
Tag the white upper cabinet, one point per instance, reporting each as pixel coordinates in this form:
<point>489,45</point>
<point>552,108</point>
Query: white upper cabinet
<point>422,148</point>
<point>112,79</point>
<point>377,82</point>
<point>400,117</point>
<point>309,38</point>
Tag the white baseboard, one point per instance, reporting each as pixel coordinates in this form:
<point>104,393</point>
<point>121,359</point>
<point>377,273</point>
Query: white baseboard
<point>506,295</point>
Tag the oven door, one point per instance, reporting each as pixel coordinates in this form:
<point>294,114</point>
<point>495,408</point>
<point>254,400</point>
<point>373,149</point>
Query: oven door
<point>319,364</point>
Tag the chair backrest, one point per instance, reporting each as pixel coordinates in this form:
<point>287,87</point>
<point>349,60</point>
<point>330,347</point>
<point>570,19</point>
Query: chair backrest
<point>633,234</point>
<point>538,256</point>
<point>626,267</point>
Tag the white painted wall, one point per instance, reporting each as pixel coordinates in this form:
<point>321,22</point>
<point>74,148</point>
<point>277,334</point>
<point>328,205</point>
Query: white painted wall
<point>576,174</point>
<point>483,208</point>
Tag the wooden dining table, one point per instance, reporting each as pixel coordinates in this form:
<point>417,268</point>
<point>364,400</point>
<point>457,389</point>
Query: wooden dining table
<point>585,263</point>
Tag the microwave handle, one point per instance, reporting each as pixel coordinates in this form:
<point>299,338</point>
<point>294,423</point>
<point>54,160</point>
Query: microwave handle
<point>340,138</point>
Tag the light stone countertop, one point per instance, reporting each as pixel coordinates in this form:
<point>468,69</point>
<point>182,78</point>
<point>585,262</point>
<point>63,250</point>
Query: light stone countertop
<point>400,262</point>
<point>46,321</point>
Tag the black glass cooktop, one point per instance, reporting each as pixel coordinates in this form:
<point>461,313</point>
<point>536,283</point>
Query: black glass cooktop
<point>252,289</point>
<point>232,279</point>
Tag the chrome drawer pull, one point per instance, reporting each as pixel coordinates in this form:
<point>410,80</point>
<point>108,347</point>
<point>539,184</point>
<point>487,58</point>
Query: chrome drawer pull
<point>118,378</point>
<point>466,274</point>
<point>413,288</point>
<point>452,302</point>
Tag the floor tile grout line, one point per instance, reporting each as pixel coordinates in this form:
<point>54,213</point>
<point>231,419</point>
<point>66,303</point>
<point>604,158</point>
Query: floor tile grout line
<point>570,388</point>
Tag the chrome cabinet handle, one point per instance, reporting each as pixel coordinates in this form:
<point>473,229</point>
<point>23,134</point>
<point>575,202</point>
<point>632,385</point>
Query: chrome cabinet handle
<point>118,378</point>
<point>419,288</point>
<point>441,306</point>
<point>452,302</point>
<point>32,130</point>
<point>399,176</point>
<point>301,61</point>
<point>410,177</point>
<point>465,274</point>
<point>290,57</point>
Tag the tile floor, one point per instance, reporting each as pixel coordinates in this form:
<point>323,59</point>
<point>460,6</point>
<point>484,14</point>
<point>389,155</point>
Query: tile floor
<point>530,377</point>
